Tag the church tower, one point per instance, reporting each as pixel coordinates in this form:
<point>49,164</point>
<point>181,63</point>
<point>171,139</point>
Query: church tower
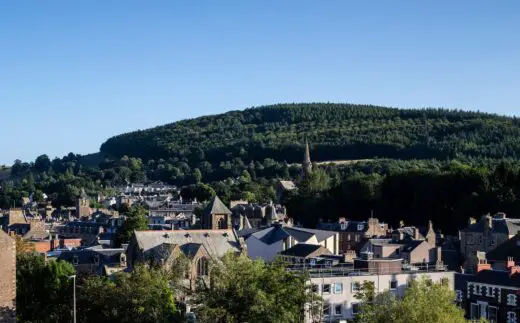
<point>307,164</point>
<point>83,205</point>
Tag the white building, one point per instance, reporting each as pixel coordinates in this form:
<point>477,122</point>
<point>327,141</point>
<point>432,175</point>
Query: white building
<point>338,289</point>
<point>267,243</point>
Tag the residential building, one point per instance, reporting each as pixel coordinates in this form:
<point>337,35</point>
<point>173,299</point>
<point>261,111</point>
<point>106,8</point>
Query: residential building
<point>96,261</point>
<point>501,256</point>
<point>269,242</point>
<point>485,235</point>
<point>354,234</point>
<point>7,278</point>
<point>338,287</point>
<point>489,293</point>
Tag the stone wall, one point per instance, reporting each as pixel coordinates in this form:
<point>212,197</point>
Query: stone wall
<point>7,278</point>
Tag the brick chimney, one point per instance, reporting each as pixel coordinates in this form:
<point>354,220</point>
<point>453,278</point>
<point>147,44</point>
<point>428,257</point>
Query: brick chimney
<point>483,265</point>
<point>512,267</point>
<point>510,262</point>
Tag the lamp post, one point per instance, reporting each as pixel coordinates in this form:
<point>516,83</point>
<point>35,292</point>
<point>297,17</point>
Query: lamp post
<point>73,277</point>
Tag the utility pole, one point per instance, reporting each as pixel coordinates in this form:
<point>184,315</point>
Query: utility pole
<point>73,277</point>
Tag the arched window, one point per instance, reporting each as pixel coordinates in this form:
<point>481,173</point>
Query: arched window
<point>202,267</point>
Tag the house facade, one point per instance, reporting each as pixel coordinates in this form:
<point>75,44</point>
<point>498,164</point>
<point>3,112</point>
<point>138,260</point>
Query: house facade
<point>485,235</point>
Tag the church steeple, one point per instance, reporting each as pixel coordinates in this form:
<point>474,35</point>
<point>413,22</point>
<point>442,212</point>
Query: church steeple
<point>307,164</point>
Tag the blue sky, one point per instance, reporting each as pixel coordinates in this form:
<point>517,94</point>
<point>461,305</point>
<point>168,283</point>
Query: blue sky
<point>73,73</point>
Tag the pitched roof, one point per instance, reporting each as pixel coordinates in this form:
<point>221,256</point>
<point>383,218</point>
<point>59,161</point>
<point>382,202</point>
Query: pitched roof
<point>509,248</point>
<point>496,277</point>
<point>305,250</point>
<point>216,206</point>
<point>499,225</point>
<point>216,242</point>
<point>278,232</point>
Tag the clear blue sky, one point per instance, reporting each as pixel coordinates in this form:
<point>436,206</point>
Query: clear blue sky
<point>73,73</point>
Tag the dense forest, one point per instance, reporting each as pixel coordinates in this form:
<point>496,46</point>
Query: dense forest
<point>336,131</point>
<point>411,165</point>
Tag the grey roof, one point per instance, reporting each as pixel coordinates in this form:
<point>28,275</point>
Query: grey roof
<point>409,231</point>
<point>216,206</point>
<point>278,232</point>
<point>507,225</point>
<point>216,242</point>
<point>509,248</point>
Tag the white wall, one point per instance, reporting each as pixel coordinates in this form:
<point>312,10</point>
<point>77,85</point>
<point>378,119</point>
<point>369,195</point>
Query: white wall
<point>257,249</point>
<point>381,283</point>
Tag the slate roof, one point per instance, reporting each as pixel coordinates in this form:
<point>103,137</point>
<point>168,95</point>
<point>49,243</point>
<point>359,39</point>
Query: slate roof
<point>216,242</point>
<point>86,256</point>
<point>278,232</point>
<point>507,226</point>
<point>510,248</point>
<point>216,206</point>
<point>496,277</point>
<point>304,250</point>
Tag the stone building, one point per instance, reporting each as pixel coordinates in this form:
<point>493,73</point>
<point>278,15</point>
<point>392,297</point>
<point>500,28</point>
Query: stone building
<point>485,235</point>
<point>216,216</point>
<point>83,205</point>
<point>7,278</point>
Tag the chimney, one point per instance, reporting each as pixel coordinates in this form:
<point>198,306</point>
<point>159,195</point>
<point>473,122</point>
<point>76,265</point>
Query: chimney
<point>401,223</point>
<point>471,221</point>
<point>488,221</point>
<point>510,262</point>
<point>483,265</point>
<point>415,233</point>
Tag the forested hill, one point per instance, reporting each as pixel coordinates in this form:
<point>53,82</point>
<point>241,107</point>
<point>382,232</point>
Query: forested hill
<point>335,131</point>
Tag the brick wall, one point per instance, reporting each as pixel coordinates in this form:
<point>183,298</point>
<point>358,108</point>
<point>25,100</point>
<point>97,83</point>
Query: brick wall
<point>7,278</point>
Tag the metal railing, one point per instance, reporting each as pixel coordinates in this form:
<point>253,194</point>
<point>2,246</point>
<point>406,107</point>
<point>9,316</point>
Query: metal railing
<point>349,270</point>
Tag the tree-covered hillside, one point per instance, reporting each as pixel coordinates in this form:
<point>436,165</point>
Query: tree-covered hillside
<point>336,131</point>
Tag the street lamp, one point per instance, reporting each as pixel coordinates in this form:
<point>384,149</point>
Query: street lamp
<point>73,277</point>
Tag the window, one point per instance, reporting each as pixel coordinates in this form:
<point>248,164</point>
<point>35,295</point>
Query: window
<point>360,227</point>
<point>338,288</point>
<point>445,281</point>
<point>326,289</point>
<point>469,239</point>
<point>315,288</point>
<point>355,308</point>
<point>393,285</point>
<point>356,238</point>
<point>343,226</point>
<point>313,262</point>
<point>511,317</point>
<point>458,295</point>
<point>326,309</point>
<point>202,267</point>
<point>356,286</point>
<point>338,310</point>
<point>75,260</point>
<point>492,314</point>
<point>511,299</point>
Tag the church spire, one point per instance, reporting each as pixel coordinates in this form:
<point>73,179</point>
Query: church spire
<point>307,164</point>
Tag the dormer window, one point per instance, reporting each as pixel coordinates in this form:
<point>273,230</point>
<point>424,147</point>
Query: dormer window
<point>360,227</point>
<point>343,226</point>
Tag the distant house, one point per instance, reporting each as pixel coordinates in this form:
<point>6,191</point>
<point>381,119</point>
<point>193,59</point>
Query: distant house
<point>96,261</point>
<point>485,235</point>
<point>267,243</point>
<point>354,234</point>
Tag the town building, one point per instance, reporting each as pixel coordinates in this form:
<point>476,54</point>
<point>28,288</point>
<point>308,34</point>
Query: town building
<point>95,261</point>
<point>216,216</point>
<point>354,234</point>
<point>199,247</point>
<point>269,242</point>
<point>485,235</point>
<point>7,278</point>
<point>337,286</point>
<point>489,293</point>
